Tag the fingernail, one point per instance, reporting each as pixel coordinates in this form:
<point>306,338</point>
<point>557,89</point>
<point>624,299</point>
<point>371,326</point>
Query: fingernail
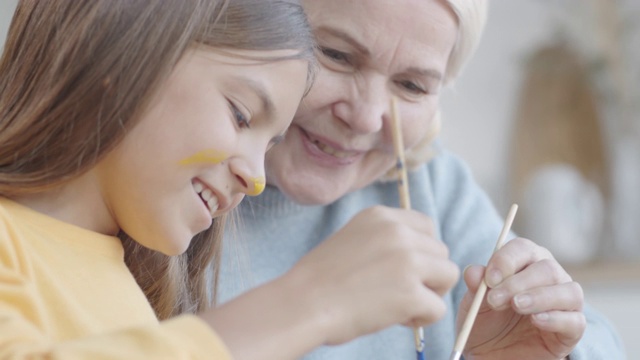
<point>465,269</point>
<point>542,316</point>
<point>523,301</point>
<point>494,278</point>
<point>496,298</point>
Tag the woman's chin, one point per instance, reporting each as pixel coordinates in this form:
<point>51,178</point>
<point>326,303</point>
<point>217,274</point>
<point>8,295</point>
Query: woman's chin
<point>309,195</point>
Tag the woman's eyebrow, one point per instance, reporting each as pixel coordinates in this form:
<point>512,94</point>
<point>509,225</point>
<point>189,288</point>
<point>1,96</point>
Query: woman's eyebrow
<point>431,73</point>
<point>366,52</point>
<point>346,37</point>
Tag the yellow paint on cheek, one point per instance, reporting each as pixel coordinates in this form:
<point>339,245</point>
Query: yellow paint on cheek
<point>205,157</point>
<point>259,184</point>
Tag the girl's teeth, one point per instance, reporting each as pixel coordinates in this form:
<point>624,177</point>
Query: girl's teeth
<point>206,194</point>
<point>208,197</point>
<point>212,204</point>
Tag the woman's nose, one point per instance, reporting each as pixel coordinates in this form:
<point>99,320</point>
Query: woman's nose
<point>364,108</point>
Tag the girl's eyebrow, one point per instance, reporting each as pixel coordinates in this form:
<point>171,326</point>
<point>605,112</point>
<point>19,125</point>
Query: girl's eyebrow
<point>259,89</point>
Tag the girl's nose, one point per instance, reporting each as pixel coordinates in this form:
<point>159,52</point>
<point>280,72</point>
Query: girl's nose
<point>249,175</point>
<point>256,185</point>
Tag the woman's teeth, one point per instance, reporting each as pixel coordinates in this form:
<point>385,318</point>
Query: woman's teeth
<point>330,150</point>
<point>207,196</point>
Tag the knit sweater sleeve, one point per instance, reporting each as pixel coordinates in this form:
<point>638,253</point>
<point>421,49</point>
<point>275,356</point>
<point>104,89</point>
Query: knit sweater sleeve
<point>470,225</point>
<point>600,340</point>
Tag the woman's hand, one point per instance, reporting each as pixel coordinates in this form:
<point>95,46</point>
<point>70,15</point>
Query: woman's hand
<point>533,309</point>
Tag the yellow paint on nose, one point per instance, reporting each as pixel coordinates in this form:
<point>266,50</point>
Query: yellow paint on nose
<point>259,184</point>
<point>205,157</point>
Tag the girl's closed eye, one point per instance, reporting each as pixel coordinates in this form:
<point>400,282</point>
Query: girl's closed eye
<point>241,119</point>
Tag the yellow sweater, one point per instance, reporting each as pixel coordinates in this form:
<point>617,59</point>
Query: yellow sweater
<point>65,293</point>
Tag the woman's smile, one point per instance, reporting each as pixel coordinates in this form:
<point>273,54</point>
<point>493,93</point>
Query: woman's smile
<point>326,152</point>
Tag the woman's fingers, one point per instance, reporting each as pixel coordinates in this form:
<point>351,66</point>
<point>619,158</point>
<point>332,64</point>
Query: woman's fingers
<point>563,297</point>
<point>473,276</point>
<point>514,256</point>
<point>526,282</point>
<point>568,326</point>
<point>537,276</point>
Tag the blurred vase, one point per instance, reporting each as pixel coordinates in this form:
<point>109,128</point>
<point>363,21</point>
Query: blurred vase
<point>564,212</point>
<point>625,214</point>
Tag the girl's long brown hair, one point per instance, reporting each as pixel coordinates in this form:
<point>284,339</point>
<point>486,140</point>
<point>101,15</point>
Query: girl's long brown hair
<point>75,77</point>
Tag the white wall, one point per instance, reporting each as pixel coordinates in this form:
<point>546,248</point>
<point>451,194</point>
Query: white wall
<point>6,11</point>
<point>478,114</point>
<point>619,302</point>
<point>478,111</point>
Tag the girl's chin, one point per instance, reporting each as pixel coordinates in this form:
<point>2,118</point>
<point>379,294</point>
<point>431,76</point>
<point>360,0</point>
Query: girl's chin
<point>169,250</point>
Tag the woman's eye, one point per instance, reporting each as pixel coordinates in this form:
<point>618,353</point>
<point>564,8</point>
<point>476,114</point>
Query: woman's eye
<point>240,118</point>
<point>412,87</point>
<point>335,55</point>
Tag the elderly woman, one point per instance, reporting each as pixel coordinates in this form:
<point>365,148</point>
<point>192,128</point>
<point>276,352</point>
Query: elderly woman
<point>334,163</point>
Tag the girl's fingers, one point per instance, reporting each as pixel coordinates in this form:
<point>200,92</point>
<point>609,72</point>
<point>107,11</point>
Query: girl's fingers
<point>440,275</point>
<point>430,309</point>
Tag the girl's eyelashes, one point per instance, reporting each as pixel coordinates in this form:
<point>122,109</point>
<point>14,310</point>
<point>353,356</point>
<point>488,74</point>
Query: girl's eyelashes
<point>241,120</point>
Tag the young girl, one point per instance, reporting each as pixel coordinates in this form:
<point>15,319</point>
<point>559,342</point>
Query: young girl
<point>126,127</point>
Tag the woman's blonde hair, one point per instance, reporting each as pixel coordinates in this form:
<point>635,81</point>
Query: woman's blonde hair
<point>472,16</point>
<point>76,76</point>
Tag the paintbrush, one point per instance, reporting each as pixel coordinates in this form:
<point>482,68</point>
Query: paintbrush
<point>405,202</point>
<point>463,335</point>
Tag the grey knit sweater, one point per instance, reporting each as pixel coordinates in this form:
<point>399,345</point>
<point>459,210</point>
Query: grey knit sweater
<point>273,233</point>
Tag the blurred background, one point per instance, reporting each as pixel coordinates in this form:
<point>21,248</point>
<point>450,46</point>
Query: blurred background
<point>547,115</point>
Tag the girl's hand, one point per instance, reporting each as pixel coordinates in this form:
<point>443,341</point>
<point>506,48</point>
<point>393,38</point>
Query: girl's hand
<point>383,268</point>
<point>533,309</point>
